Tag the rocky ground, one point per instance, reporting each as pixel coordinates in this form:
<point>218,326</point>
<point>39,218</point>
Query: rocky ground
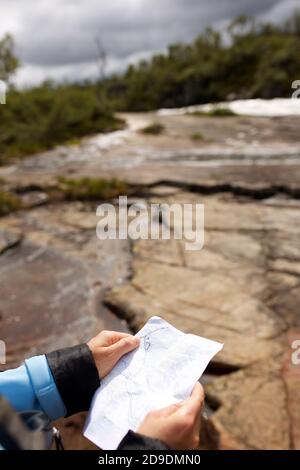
<point>59,284</point>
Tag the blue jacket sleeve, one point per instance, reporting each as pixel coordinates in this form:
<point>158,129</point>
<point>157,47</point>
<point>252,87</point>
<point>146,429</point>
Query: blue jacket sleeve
<point>32,387</point>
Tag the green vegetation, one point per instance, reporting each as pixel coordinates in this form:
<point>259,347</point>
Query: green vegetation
<point>8,203</point>
<point>155,129</point>
<point>216,112</point>
<point>197,136</point>
<point>92,189</point>
<point>259,60</point>
<point>40,118</point>
<point>72,189</point>
<point>43,117</point>
<point>8,61</point>
<point>221,112</point>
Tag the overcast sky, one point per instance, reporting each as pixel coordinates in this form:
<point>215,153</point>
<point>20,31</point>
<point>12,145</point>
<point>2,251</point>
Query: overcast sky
<point>56,38</point>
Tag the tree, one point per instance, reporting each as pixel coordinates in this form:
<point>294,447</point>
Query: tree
<point>292,25</point>
<point>241,25</point>
<point>101,58</point>
<point>8,61</point>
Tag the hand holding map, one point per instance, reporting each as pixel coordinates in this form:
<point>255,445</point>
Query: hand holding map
<point>162,371</point>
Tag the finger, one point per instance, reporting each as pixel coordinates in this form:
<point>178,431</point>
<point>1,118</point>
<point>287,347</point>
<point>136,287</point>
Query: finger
<point>196,398</point>
<point>169,410</point>
<point>197,424</point>
<point>115,336</point>
<point>124,346</point>
<point>193,404</point>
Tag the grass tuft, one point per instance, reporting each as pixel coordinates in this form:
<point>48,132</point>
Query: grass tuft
<point>153,129</point>
<point>217,112</point>
<point>8,203</point>
<point>92,189</point>
<point>197,136</point>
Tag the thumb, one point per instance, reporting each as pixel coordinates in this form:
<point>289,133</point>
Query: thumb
<point>193,404</point>
<point>124,346</point>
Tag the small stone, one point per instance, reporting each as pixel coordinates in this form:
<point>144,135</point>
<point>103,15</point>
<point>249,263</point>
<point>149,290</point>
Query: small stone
<point>8,239</point>
<point>33,199</point>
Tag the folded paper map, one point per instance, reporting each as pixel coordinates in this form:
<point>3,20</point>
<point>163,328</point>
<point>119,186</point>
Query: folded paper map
<point>161,371</point>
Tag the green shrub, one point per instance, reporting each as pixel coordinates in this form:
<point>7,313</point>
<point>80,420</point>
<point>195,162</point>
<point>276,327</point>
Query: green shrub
<point>90,189</point>
<point>197,136</point>
<point>216,112</point>
<point>40,118</point>
<point>153,129</point>
<point>222,112</point>
<point>8,203</point>
<point>260,60</point>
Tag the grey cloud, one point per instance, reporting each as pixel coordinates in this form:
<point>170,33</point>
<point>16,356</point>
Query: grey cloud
<point>64,32</point>
<point>61,33</point>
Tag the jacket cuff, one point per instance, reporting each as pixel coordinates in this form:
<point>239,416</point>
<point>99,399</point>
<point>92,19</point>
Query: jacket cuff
<point>76,376</point>
<point>44,387</point>
<point>135,441</point>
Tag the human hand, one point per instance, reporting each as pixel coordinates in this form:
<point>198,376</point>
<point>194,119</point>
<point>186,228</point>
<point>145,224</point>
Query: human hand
<point>177,425</point>
<point>108,347</point>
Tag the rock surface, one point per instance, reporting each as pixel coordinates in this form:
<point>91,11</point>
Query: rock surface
<point>8,239</point>
<point>230,291</point>
<point>242,288</point>
<point>51,288</point>
<point>57,275</point>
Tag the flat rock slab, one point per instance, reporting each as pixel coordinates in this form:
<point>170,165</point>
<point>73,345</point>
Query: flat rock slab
<point>33,199</point>
<point>42,295</point>
<point>248,151</point>
<point>9,239</point>
<point>51,284</point>
<point>257,405</point>
<point>53,273</point>
<point>234,292</point>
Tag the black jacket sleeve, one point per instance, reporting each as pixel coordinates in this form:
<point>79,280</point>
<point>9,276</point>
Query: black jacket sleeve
<point>135,441</point>
<point>76,376</point>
